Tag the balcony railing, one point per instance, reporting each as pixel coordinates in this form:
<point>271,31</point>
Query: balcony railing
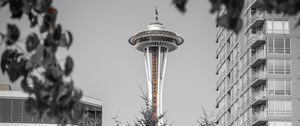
<point>221,94</point>
<point>257,16</point>
<point>259,98</point>
<point>256,39</point>
<point>258,58</point>
<point>258,78</point>
<point>258,119</point>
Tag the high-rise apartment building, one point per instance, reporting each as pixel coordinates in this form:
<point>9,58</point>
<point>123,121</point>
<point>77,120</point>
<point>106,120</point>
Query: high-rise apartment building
<point>258,71</point>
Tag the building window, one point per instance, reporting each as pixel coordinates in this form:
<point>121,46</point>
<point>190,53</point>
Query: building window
<point>279,45</point>
<point>280,108</point>
<point>277,27</point>
<point>280,123</point>
<point>279,87</point>
<point>279,66</point>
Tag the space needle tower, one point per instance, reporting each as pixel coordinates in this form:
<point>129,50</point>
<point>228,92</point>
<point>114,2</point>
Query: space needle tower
<point>155,42</point>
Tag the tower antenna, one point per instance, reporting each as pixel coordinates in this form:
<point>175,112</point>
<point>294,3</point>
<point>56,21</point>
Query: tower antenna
<point>156,11</point>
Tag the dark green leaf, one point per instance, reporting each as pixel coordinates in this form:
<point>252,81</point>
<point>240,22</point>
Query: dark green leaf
<point>36,59</point>
<point>13,34</point>
<point>180,4</point>
<point>69,65</point>
<point>49,57</point>
<point>42,6</point>
<point>57,32</point>
<point>9,56</point>
<point>32,42</point>
<point>26,88</point>
<point>54,72</point>
<point>16,70</point>
<point>33,19</point>
<point>15,7</point>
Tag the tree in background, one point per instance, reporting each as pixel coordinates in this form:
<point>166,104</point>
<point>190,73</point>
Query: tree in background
<point>146,119</point>
<point>45,78</point>
<point>232,20</point>
<point>206,120</point>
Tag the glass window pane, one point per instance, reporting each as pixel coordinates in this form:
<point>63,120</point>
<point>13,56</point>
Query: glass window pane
<point>270,45</point>
<point>279,87</point>
<point>288,87</point>
<point>287,66</point>
<point>279,45</point>
<point>271,107</point>
<point>277,27</point>
<point>6,110</point>
<point>270,66</point>
<point>0,110</point>
<point>280,123</point>
<point>279,108</point>
<point>288,123</point>
<point>279,66</point>
<point>271,87</point>
<point>286,27</point>
<point>17,110</point>
<point>287,45</point>
<point>269,27</point>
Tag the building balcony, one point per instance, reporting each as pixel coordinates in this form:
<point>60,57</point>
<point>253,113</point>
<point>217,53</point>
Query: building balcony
<point>258,78</point>
<point>259,119</point>
<point>253,3</point>
<point>259,99</point>
<point>257,19</point>
<point>258,58</point>
<point>221,112</point>
<point>256,39</point>
<point>221,95</point>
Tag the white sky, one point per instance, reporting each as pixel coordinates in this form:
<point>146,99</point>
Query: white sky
<point>107,67</point>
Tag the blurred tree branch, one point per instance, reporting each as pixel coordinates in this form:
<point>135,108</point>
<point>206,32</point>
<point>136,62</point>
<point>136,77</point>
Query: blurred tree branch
<point>231,18</point>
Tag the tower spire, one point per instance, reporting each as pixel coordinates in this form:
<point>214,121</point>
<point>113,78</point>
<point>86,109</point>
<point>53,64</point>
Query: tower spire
<point>156,14</point>
<point>156,11</point>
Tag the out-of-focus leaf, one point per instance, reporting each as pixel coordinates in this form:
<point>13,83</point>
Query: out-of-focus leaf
<point>42,6</point>
<point>36,59</point>
<point>7,58</point>
<point>32,42</point>
<point>49,57</point>
<point>16,70</point>
<point>3,3</point>
<point>13,34</point>
<point>49,20</point>
<point>57,32</point>
<point>54,72</point>
<point>66,40</point>
<point>26,88</point>
<point>180,5</point>
<point>69,65</point>
<point>15,7</point>
<point>229,22</point>
<point>30,105</point>
<point>28,5</point>
<point>33,19</point>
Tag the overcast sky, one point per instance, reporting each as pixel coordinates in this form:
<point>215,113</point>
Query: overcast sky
<point>107,67</point>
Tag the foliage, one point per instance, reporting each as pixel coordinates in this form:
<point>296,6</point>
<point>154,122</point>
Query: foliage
<point>49,84</point>
<point>205,120</point>
<point>147,118</point>
<point>232,20</point>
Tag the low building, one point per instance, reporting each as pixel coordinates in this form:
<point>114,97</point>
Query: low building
<point>13,113</point>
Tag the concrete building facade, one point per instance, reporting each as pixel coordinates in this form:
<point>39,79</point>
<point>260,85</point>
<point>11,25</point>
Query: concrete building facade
<point>258,71</point>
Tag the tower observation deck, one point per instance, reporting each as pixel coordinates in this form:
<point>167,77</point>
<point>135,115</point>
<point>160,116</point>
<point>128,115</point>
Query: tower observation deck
<point>155,42</point>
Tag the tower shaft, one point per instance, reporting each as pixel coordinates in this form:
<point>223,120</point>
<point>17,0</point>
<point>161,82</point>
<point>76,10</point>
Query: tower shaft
<point>154,84</point>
